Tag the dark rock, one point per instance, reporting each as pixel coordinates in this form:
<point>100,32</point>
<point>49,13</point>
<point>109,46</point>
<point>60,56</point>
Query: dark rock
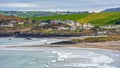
<point>64,42</point>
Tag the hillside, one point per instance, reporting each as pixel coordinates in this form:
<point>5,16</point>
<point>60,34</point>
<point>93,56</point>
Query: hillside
<point>3,17</point>
<point>112,10</point>
<point>74,17</point>
<point>37,13</point>
<point>98,19</point>
<point>27,13</point>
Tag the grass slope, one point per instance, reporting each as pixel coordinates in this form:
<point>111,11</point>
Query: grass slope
<point>98,19</point>
<point>7,18</point>
<point>27,13</point>
<point>74,17</point>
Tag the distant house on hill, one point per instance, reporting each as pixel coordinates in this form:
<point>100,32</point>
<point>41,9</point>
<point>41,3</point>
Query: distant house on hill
<point>13,21</point>
<point>17,22</point>
<point>110,27</point>
<point>21,22</point>
<point>10,20</point>
<point>43,23</point>
<point>7,25</point>
<point>55,27</point>
<point>69,22</point>
<point>73,25</point>
<point>87,26</point>
<point>56,22</point>
<point>10,23</point>
<point>63,28</point>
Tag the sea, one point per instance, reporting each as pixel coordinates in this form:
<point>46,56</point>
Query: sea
<point>54,57</point>
<point>11,41</point>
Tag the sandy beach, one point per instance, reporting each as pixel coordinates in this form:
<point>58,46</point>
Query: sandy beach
<point>111,45</point>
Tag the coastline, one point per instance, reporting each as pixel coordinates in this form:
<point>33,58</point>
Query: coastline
<point>109,45</point>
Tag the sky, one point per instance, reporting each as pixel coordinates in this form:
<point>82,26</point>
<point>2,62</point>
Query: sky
<point>58,5</point>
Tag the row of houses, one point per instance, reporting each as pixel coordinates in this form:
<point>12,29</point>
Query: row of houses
<point>51,24</point>
<point>71,25</point>
<point>110,27</point>
<point>11,23</point>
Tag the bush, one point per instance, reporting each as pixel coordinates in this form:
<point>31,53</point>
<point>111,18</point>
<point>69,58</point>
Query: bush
<point>95,39</point>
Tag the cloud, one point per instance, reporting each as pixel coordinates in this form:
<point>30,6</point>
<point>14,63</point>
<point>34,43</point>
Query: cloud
<point>17,5</point>
<point>58,5</point>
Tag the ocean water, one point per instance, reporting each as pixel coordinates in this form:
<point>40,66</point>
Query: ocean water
<point>55,57</point>
<point>59,58</point>
<point>10,41</point>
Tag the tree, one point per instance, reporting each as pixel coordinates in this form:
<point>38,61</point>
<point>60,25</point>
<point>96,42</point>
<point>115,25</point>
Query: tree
<point>48,21</point>
<point>33,21</point>
<point>27,18</point>
<point>95,29</point>
<point>1,22</point>
<point>117,22</point>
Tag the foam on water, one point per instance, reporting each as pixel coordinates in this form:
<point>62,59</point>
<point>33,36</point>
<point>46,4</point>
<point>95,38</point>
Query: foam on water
<point>61,56</point>
<point>83,59</point>
<point>33,43</point>
<point>91,65</point>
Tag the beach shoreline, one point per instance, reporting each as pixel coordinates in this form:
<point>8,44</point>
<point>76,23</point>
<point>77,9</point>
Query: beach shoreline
<point>109,45</point>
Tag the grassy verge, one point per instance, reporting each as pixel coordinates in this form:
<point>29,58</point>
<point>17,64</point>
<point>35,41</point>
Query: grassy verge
<point>98,39</point>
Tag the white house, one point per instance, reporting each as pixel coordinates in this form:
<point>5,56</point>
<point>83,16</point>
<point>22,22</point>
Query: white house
<point>87,26</point>
<point>43,23</point>
<point>7,25</point>
<point>13,22</point>
<point>110,27</point>
<point>72,28</point>
<point>21,22</point>
<point>63,28</point>
<point>73,25</point>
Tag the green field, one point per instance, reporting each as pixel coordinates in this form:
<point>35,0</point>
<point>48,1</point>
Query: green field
<point>74,17</point>
<point>27,13</point>
<point>98,19</point>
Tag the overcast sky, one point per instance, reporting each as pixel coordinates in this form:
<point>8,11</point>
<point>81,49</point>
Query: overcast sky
<point>58,5</point>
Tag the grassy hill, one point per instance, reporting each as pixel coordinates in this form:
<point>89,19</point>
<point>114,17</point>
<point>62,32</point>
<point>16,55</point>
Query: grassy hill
<point>98,19</point>
<point>74,17</point>
<point>27,13</point>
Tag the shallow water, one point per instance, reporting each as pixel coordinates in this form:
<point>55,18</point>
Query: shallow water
<point>59,58</point>
<point>10,41</point>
